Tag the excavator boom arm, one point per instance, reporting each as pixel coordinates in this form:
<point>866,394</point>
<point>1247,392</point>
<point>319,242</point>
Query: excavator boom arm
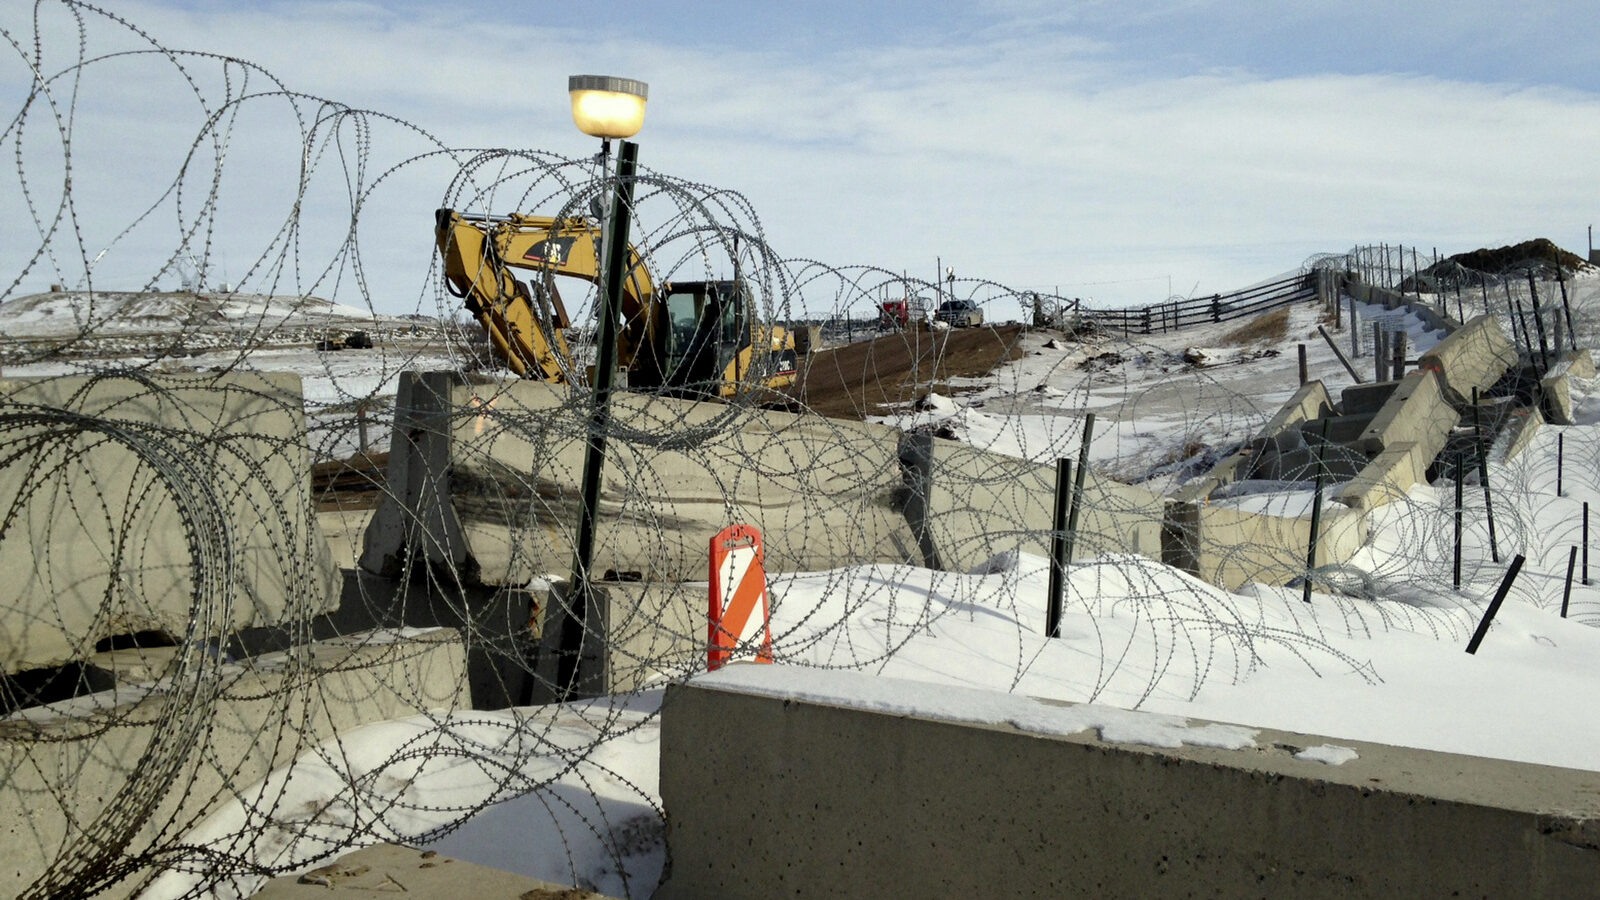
<point>525,326</point>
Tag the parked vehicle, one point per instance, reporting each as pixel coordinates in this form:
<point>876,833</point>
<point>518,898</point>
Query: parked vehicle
<point>959,313</point>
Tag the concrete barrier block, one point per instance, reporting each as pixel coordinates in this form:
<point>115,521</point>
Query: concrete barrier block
<point>1579,363</point>
<point>1417,412</point>
<point>160,761</point>
<point>984,504</point>
<point>1555,399</point>
<point>946,792</point>
<point>1474,356</point>
<point>1385,479</point>
<point>1358,399</point>
<point>1232,547</point>
<point>489,478</point>
<point>1516,434</point>
<point>153,503</point>
<point>1310,402</point>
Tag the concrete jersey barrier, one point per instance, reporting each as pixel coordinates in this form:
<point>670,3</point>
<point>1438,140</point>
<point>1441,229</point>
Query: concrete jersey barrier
<point>179,504</point>
<point>950,792</point>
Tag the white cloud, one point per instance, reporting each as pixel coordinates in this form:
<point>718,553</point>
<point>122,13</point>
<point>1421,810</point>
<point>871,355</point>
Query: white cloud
<point>1034,158</point>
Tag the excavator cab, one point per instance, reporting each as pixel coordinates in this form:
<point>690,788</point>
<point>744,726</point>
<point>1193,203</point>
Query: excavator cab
<point>699,342</point>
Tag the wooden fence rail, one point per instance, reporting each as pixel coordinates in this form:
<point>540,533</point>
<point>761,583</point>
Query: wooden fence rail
<point>1178,314</point>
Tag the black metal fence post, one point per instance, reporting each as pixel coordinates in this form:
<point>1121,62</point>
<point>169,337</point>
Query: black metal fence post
<point>1483,474</point>
<point>1494,605</point>
<point>1058,548</point>
<point>1566,592</point>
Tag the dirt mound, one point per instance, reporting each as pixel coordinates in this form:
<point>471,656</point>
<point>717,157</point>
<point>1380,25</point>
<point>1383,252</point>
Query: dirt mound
<point>867,377</point>
<point>1540,254</point>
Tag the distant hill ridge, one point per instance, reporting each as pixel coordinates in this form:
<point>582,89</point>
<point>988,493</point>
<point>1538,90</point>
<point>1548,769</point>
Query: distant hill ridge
<point>57,312</point>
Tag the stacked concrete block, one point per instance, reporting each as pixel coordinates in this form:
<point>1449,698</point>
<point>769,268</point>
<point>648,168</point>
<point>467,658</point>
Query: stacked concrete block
<point>1554,390</point>
<point>177,504</point>
<point>484,485</point>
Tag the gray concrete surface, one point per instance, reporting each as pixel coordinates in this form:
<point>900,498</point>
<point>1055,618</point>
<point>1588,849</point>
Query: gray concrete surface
<point>1520,427</point>
<point>1310,402</point>
<point>1555,390</point>
<point>115,483</point>
<point>830,798</point>
<point>76,772</point>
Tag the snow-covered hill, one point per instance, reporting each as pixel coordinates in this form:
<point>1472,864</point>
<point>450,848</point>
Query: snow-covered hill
<point>66,313</point>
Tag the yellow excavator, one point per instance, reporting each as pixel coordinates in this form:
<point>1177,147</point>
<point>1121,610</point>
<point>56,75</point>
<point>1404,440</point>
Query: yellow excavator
<point>686,338</point>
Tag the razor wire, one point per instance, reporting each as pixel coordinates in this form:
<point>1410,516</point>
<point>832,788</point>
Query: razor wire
<point>270,646</point>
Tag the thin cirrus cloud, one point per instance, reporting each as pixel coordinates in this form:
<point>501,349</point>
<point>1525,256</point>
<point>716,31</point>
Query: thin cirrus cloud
<point>1034,147</point>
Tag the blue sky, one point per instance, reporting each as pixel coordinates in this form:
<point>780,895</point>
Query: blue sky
<point>1114,150</point>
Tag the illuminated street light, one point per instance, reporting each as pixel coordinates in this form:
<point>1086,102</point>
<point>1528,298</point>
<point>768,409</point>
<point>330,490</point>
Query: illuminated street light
<point>607,107</point>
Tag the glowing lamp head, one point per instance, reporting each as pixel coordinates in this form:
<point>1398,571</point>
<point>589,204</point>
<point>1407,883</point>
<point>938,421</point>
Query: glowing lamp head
<point>607,107</point>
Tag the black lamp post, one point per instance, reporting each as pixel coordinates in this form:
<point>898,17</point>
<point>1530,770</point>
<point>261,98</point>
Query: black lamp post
<point>604,107</point>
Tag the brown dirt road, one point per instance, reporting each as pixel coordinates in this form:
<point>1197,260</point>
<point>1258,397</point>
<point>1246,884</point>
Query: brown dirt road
<point>865,378</point>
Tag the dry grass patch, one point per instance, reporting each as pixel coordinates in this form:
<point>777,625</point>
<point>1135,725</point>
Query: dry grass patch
<point>1267,328</point>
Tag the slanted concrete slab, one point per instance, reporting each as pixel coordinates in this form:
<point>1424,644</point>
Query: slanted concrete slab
<point>159,761</point>
<point>842,785</point>
<point>1472,357</point>
<point>167,503</point>
<point>1417,412</point>
<point>1311,401</point>
<point>1360,399</point>
<point>1516,434</point>
<point>1385,479</point>
<point>1555,390</point>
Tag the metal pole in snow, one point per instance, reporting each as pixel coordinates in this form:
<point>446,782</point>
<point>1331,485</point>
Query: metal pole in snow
<point>1566,308</point>
<point>1585,542</point>
<point>1355,331</point>
<point>1077,485</point>
<point>1566,592</point>
<point>1316,514</point>
<point>1058,548</point>
<point>1494,605</point>
<point>1538,322</point>
<point>1561,452</point>
<point>1460,475</point>
<point>1380,353</point>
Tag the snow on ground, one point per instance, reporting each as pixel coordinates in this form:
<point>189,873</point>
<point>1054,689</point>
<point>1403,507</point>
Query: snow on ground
<point>571,793</point>
<point>1136,635</point>
<point>1153,411</point>
<point>60,313</point>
